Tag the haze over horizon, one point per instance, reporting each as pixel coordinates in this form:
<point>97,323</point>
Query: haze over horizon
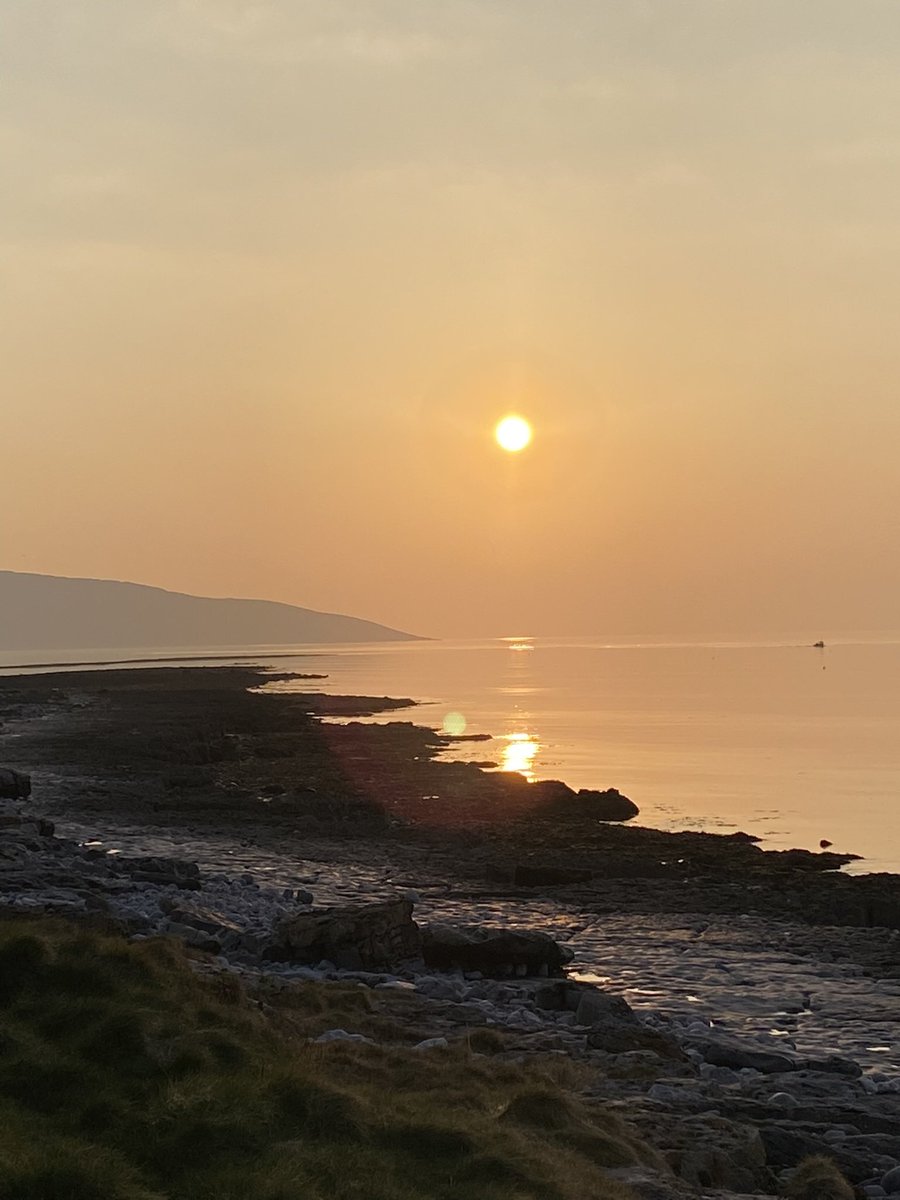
<point>272,274</point>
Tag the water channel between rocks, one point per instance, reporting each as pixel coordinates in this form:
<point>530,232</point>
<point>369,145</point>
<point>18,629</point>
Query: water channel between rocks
<point>741,974</point>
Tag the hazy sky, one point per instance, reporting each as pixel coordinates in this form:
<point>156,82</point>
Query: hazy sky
<point>271,272</point>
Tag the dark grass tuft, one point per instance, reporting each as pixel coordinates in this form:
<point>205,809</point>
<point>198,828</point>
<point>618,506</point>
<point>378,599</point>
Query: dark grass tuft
<point>819,1179</point>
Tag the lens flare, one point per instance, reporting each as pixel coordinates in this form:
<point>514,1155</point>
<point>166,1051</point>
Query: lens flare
<point>513,434</point>
<point>454,724</point>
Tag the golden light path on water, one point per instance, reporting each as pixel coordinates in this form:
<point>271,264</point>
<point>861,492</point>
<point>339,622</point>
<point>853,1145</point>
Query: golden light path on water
<point>521,748</point>
<point>519,754</point>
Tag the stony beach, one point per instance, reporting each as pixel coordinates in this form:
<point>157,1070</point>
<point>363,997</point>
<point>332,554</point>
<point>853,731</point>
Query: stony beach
<point>739,1007</point>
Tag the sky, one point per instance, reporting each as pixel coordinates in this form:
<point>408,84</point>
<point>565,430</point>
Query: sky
<point>270,272</point>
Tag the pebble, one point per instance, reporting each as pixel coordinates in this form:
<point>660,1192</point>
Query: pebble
<point>341,1035</point>
<point>783,1100</point>
<point>435,1043</point>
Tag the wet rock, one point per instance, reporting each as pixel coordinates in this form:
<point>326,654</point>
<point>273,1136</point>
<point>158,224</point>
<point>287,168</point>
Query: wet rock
<point>362,936</point>
<point>738,1055</point>
<point>529,875</point>
<point>14,785</point>
<point>891,1182</point>
<point>498,953</point>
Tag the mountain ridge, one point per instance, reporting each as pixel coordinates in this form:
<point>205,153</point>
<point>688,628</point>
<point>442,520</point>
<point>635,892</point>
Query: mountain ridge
<point>57,612</point>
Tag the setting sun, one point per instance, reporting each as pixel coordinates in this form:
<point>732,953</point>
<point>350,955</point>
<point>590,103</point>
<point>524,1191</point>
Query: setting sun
<point>513,434</point>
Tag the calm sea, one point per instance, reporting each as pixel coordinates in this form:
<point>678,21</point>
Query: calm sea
<point>789,742</point>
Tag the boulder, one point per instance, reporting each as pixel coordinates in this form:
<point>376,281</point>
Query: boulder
<point>362,936</point>
<point>610,805</point>
<point>715,1153</point>
<point>614,1026</point>
<point>704,1150</point>
<point>596,1008</point>
<point>589,1003</point>
<point>833,1065</point>
<point>205,920</point>
<point>172,872</point>
<point>724,1053</point>
<point>14,785</point>
<point>788,1144</point>
<point>623,1037</point>
<point>497,953</point>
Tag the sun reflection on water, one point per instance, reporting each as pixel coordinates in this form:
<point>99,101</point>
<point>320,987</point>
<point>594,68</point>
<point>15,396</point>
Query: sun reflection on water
<point>519,754</point>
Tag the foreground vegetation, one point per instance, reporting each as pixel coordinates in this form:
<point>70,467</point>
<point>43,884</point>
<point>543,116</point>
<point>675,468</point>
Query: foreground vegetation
<point>125,1075</point>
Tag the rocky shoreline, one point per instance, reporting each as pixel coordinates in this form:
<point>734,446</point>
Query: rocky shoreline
<point>741,1008</point>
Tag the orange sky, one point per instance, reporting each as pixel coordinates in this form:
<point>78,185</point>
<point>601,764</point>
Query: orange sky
<point>272,272</point>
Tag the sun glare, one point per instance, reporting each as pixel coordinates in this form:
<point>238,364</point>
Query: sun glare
<point>513,434</point>
<point>519,754</point>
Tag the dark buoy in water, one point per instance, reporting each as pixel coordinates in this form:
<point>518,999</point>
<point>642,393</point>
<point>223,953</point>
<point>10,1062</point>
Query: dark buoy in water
<point>824,844</point>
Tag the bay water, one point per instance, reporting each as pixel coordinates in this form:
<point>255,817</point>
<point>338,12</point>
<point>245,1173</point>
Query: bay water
<point>790,742</point>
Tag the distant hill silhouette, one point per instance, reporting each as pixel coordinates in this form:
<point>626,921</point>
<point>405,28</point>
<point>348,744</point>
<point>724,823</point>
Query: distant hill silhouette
<point>47,612</point>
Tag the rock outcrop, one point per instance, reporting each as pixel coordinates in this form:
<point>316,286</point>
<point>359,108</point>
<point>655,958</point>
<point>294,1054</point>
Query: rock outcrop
<point>369,936</point>
<point>560,800</point>
<point>499,953</point>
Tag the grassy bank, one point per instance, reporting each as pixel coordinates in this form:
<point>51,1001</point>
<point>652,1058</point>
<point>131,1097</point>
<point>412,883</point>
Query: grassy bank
<point>125,1075</point>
